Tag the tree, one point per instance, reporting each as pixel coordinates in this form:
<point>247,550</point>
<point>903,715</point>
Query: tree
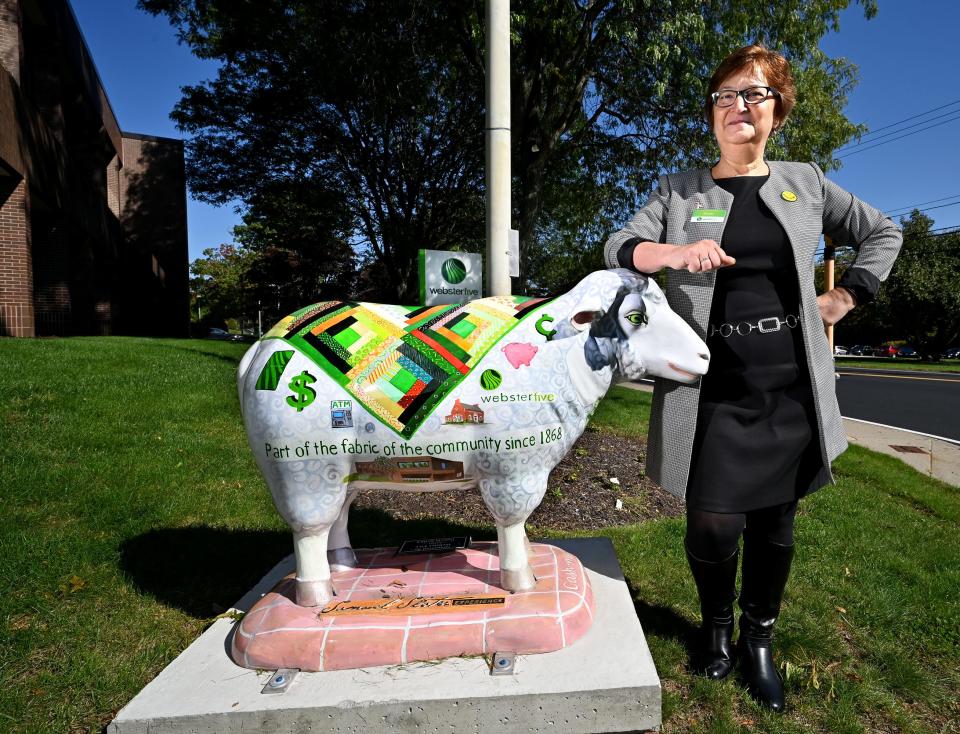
<point>383,100</point>
<point>218,282</point>
<point>299,234</point>
<point>922,294</point>
<point>868,323</point>
<point>358,98</point>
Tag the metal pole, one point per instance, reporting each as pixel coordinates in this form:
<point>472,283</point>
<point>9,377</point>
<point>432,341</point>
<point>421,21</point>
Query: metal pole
<point>498,147</point>
<point>829,255</point>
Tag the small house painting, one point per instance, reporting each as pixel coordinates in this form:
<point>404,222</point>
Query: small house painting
<point>464,413</point>
<point>414,469</point>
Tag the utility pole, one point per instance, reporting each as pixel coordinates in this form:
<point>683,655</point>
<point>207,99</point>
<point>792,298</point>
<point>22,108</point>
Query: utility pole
<point>498,147</point>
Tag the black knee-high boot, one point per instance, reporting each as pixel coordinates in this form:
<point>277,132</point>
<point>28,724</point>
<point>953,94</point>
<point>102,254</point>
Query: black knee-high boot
<point>716,586</point>
<point>766,567</point>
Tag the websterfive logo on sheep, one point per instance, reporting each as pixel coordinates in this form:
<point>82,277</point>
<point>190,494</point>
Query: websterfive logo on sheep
<point>491,394</point>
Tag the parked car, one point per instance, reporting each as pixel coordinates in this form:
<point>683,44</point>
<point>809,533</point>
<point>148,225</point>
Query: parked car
<point>951,353</point>
<point>222,335</point>
<point>907,352</point>
<point>862,350</point>
<point>838,350</point>
<point>885,351</point>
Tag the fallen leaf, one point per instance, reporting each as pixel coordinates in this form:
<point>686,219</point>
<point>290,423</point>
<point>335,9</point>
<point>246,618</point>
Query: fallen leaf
<point>75,583</point>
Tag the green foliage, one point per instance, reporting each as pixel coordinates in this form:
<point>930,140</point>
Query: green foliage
<point>381,104</point>
<point>218,282</point>
<point>922,295</point>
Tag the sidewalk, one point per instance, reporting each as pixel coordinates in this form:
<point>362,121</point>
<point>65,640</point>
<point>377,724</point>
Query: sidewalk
<point>931,456</point>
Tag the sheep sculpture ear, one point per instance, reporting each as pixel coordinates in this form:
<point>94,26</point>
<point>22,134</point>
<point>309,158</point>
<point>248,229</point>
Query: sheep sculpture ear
<point>583,319</point>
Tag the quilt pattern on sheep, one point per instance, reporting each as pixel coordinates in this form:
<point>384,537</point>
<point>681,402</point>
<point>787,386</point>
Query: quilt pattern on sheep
<point>400,362</point>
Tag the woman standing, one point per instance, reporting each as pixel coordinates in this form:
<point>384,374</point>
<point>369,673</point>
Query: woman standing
<point>761,428</point>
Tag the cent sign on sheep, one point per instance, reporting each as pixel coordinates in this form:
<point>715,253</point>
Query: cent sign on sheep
<point>341,396</point>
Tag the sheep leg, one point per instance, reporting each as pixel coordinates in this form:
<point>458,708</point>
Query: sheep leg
<point>314,587</point>
<point>515,571</point>
<point>340,554</point>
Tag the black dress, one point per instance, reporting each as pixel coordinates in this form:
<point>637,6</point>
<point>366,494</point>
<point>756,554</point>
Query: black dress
<point>757,442</point>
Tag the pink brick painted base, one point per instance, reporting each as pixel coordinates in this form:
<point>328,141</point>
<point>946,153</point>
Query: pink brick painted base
<point>276,633</point>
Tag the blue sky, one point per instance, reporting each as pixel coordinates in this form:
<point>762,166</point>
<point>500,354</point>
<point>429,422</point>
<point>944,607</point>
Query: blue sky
<point>907,67</point>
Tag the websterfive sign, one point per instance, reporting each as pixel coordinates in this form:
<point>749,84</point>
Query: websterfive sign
<point>450,277</point>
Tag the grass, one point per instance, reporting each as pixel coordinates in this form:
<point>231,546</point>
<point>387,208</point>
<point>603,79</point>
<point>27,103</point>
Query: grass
<point>908,365</point>
<point>134,514</point>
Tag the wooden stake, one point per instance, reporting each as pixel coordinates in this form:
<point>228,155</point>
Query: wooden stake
<point>829,256</point>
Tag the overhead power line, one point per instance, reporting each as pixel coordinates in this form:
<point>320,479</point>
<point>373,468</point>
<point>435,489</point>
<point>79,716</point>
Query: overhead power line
<point>951,114</point>
<point>905,135</point>
<point>870,133</point>
<point>922,203</point>
<point>925,209</point>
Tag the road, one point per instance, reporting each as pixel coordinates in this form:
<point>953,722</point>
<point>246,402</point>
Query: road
<point>928,402</point>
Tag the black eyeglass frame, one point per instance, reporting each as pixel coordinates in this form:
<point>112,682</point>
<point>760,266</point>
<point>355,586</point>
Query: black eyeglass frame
<point>771,92</point>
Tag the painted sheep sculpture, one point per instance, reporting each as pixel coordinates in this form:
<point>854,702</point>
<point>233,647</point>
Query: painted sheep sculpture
<point>341,396</point>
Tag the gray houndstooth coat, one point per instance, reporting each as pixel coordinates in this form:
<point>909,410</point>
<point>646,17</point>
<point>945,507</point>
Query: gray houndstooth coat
<point>819,206</point>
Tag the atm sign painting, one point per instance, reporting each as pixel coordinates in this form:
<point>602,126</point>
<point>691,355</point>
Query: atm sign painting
<point>450,277</point>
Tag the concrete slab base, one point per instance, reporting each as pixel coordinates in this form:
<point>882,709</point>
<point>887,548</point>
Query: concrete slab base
<point>606,682</point>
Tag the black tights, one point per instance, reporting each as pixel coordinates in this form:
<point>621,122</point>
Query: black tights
<point>714,536</point>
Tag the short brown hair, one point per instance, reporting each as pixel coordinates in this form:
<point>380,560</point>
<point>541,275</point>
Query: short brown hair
<point>775,69</point>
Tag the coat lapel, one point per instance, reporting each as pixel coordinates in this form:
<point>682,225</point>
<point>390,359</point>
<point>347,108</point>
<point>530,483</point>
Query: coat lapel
<point>775,193</point>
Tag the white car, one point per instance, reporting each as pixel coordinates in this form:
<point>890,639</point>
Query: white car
<point>838,350</point>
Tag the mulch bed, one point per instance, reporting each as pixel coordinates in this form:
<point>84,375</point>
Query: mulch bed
<point>582,494</point>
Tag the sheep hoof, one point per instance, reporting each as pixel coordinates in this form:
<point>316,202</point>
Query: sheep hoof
<point>342,559</point>
<point>314,593</point>
<point>520,579</point>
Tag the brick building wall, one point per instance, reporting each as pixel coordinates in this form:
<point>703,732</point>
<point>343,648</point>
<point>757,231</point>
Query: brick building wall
<point>51,277</point>
<point>10,37</point>
<point>113,186</point>
<point>16,275</point>
<point>93,235</point>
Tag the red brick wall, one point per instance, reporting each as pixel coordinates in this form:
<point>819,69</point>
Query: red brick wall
<point>113,186</point>
<point>16,274</point>
<point>10,37</point>
<point>51,277</point>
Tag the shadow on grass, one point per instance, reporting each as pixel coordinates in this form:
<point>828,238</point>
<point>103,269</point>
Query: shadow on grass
<point>200,569</point>
<point>206,348</point>
<point>203,570</point>
<point>664,622</point>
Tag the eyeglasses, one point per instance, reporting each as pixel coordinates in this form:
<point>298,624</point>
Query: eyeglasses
<point>751,95</point>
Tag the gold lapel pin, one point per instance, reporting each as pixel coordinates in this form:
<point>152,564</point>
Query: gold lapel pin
<point>788,196</point>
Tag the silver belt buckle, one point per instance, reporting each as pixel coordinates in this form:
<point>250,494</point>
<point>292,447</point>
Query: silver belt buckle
<point>767,329</point>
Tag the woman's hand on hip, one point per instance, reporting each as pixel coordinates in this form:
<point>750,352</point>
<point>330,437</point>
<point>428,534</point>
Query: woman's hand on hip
<point>834,305</point>
<point>701,257</point>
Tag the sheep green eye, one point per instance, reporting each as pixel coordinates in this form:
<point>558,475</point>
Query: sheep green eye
<point>637,318</point>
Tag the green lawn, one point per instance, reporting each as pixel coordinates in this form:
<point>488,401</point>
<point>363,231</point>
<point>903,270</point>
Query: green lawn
<point>134,514</point>
<point>908,365</point>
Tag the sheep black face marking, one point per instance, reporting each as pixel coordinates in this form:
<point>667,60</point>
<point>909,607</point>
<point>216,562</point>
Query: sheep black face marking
<point>607,328</point>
